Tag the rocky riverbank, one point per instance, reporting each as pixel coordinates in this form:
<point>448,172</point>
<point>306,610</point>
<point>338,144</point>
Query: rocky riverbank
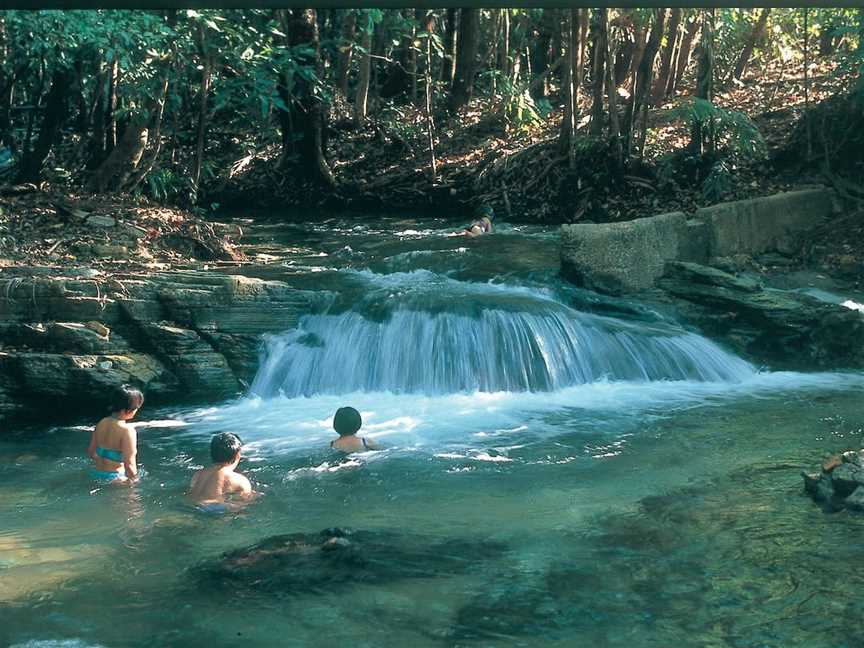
<point>69,334</point>
<point>708,268</point>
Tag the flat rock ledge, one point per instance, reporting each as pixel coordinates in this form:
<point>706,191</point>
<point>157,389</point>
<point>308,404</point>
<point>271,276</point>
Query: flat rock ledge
<point>68,336</point>
<point>781,329</point>
<point>840,483</point>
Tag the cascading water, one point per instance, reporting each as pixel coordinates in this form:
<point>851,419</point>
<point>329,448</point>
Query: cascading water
<point>423,333</point>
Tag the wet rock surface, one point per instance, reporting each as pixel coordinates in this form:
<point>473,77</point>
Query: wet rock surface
<point>180,336</point>
<point>839,484</point>
<point>780,328</point>
<point>300,563</point>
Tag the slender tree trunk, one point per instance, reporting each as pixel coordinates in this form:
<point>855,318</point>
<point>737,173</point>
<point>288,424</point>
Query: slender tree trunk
<point>807,83</point>
<point>612,94</point>
<point>346,49</point>
<point>96,150</point>
<point>430,123</point>
<point>448,66</point>
<point>111,107</point>
<point>567,136</point>
<point>504,54</point>
<point>362,94</point>
<point>540,55</point>
<point>7,86</point>
<point>412,55</point>
<point>640,43</point>
<point>750,43</point>
<point>598,61</point>
<point>466,58</point>
<point>640,96</point>
<point>55,114</point>
<point>583,47</point>
<point>156,139</point>
<point>204,93</point>
<point>666,56</point>
<point>683,58</point>
<point>704,82</point>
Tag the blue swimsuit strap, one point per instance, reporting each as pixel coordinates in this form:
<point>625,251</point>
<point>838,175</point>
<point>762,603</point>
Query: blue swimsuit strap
<point>109,454</point>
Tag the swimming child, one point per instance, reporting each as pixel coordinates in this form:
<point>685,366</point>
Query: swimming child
<point>114,443</point>
<point>210,485</point>
<point>346,422</point>
<point>483,225</point>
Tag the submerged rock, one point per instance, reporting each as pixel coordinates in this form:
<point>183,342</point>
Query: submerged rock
<point>314,562</point>
<point>840,484</point>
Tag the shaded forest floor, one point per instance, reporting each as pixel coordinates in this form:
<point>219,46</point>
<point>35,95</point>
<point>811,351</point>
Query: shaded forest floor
<point>480,159</point>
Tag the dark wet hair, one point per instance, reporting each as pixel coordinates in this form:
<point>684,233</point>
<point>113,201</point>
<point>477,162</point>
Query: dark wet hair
<point>347,421</point>
<point>485,210</point>
<point>224,447</point>
<point>126,398</point>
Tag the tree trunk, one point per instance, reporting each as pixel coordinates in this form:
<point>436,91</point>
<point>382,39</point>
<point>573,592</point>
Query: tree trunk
<point>642,84</point>
<point>504,54</point>
<point>305,111</point>
<point>448,65</point>
<point>682,60</point>
<point>540,55</point>
<point>55,113</point>
<point>412,55</point>
<point>583,42</point>
<point>752,38</point>
<point>156,139</point>
<point>567,136</point>
<point>346,49</point>
<point>430,123</point>
<point>111,107</point>
<point>704,82</point>
<point>598,61</point>
<point>204,93</point>
<point>466,58</point>
<point>96,149</point>
<point>612,94</point>
<point>362,94</point>
<point>666,57</point>
<point>639,44</point>
<point>123,160</point>
<point>7,85</point>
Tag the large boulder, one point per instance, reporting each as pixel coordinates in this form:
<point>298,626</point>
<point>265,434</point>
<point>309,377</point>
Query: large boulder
<point>768,224</point>
<point>783,329</point>
<point>624,257</point>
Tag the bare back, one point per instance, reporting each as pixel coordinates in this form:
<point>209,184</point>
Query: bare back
<point>119,439</point>
<point>211,485</point>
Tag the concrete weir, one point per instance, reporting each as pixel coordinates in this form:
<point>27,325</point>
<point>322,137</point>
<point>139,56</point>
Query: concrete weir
<point>618,258</point>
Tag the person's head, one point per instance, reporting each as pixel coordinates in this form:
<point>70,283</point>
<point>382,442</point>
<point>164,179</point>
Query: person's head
<point>126,401</point>
<point>225,448</point>
<point>485,211</point>
<point>347,421</point>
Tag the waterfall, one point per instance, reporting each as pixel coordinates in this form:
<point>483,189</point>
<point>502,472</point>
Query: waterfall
<point>478,337</point>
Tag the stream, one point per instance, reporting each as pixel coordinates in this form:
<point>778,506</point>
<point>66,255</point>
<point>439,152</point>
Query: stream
<point>567,470</point>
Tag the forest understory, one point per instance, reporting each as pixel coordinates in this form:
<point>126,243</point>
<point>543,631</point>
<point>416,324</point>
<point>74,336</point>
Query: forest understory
<point>770,127</point>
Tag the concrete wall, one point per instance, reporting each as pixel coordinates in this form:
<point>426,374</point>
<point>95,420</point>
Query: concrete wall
<point>771,223</point>
<point>628,257</point>
<point>621,257</point>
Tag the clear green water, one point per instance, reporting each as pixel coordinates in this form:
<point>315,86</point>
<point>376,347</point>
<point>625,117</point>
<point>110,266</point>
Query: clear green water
<point>609,514</point>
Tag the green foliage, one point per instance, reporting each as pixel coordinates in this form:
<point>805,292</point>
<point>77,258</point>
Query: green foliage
<point>731,128</point>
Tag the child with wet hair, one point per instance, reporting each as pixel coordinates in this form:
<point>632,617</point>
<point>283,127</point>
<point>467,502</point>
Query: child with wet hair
<point>347,422</point>
<point>114,443</point>
<point>210,485</point>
